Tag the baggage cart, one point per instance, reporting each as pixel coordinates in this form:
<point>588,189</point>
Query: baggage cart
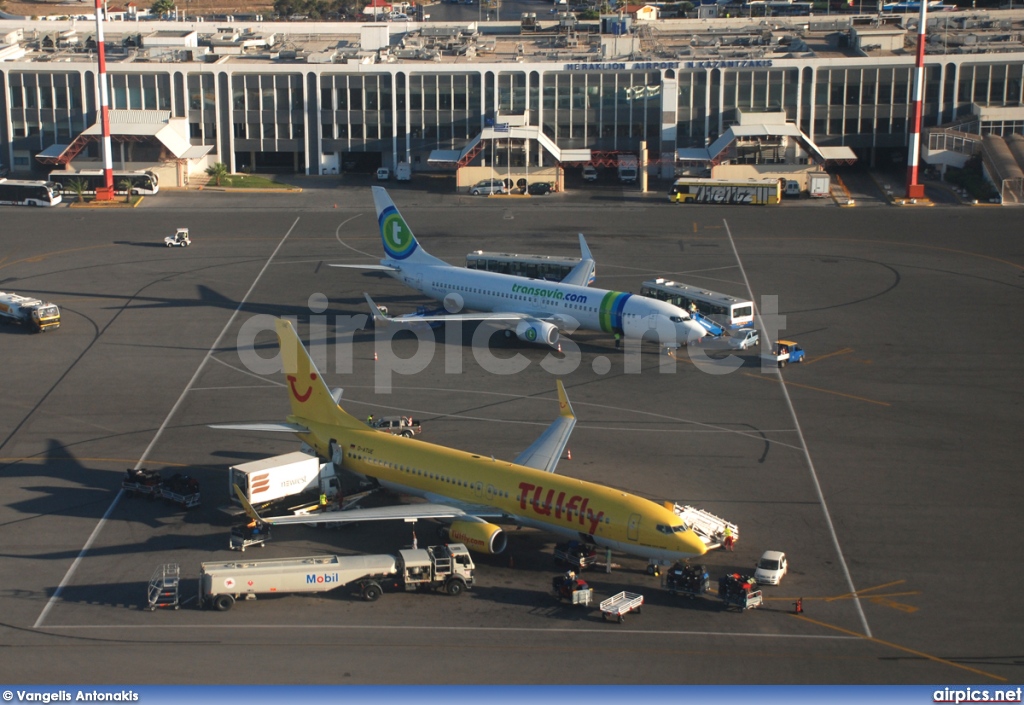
<point>575,554</point>
<point>187,501</point>
<point>244,536</point>
<point>739,591</point>
<point>687,580</point>
<point>142,482</point>
<point>620,605</point>
<point>163,587</point>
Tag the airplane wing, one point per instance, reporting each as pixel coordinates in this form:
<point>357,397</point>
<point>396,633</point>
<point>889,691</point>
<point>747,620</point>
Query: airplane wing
<point>545,452</point>
<point>372,267</point>
<point>401,512</point>
<point>263,427</point>
<point>583,273</point>
<point>496,316</point>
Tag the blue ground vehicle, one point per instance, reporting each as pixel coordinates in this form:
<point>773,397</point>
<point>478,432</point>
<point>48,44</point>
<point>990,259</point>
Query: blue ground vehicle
<point>785,351</point>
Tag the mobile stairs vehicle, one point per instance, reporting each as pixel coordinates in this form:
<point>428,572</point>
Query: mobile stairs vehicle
<point>569,587</point>
<point>163,590</point>
<point>739,591</point>
<point>713,328</point>
<point>620,605</point>
<point>710,528</point>
<point>687,580</point>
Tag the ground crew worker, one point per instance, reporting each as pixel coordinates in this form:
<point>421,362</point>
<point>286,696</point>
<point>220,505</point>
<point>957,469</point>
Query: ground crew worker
<point>323,501</point>
<point>799,605</point>
<point>729,540</point>
<point>369,420</point>
<point>618,341</point>
<point>414,539</point>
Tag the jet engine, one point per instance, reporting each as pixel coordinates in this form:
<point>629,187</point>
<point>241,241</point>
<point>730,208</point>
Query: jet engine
<point>478,536</point>
<point>537,332</point>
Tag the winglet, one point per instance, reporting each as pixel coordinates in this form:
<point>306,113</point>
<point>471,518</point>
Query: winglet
<point>249,509</point>
<point>564,407</point>
<point>375,312</point>
<point>584,249</point>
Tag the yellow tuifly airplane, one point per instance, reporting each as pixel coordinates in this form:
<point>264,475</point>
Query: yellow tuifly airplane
<point>472,493</point>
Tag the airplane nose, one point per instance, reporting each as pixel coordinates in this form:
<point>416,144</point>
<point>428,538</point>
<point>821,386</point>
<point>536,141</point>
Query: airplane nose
<point>692,543</point>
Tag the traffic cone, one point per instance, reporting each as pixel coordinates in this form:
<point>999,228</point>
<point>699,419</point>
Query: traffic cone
<point>559,347</point>
<point>335,205</point>
<point>375,356</point>
<point>798,606</point>
<point>568,454</point>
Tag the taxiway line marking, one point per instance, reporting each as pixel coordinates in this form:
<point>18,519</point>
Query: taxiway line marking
<point>870,589</point>
<point>915,652</point>
<point>817,358</point>
<point>159,432</point>
<point>824,391</point>
<point>803,444</point>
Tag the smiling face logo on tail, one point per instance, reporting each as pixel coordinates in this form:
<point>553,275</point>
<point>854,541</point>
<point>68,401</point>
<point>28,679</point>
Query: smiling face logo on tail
<point>301,398</point>
<point>398,239</point>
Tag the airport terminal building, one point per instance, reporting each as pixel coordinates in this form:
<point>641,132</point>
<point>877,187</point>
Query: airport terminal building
<point>325,98</point>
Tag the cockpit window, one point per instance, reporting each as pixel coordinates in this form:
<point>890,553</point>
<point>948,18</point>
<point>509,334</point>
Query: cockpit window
<point>663,528</point>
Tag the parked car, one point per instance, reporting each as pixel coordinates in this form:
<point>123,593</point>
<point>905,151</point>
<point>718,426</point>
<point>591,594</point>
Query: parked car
<point>539,188</point>
<point>744,338</point>
<point>589,173</point>
<point>488,187</point>
<point>383,174</point>
<point>771,568</point>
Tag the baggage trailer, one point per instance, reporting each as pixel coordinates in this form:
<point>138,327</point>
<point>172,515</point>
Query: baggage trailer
<point>182,490</point>
<point>575,554</point>
<point>620,605</point>
<point>142,482</point>
<point>687,580</point>
<point>449,567</point>
<point>739,591</point>
<point>244,536</point>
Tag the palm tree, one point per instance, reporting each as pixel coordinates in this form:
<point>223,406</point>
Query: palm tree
<point>125,185</point>
<point>78,186</point>
<point>162,7</point>
<point>217,172</point>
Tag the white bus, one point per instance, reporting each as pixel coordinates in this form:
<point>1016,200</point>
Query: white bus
<point>144,183</point>
<point>722,308</point>
<point>534,266</point>
<point>28,193</point>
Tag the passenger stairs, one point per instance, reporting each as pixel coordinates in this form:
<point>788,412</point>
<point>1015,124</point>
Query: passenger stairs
<point>164,587</point>
<point>710,528</point>
<point>712,327</point>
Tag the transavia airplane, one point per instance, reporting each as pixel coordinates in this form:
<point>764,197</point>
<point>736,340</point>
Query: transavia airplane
<point>536,310</point>
<point>469,491</point>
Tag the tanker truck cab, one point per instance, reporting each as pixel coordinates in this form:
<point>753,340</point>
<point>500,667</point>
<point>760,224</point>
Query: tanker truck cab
<point>448,567</point>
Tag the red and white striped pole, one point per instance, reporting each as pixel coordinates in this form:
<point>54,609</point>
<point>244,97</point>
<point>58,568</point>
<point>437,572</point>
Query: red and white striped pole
<point>108,166</point>
<point>915,189</point>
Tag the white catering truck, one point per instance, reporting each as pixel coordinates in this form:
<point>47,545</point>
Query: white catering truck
<point>448,567</point>
<point>628,168</point>
<point>280,477</point>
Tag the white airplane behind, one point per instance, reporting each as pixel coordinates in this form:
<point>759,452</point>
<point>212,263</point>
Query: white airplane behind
<point>536,310</point>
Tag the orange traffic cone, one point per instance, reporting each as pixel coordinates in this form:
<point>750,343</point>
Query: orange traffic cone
<point>568,455</point>
<point>335,205</point>
<point>559,347</point>
<point>375,356</point>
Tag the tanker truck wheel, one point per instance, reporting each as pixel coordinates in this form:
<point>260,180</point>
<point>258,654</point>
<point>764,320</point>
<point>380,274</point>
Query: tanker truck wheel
<point>222,603</point>
<point>371,592</point>
<point>454,587</point>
